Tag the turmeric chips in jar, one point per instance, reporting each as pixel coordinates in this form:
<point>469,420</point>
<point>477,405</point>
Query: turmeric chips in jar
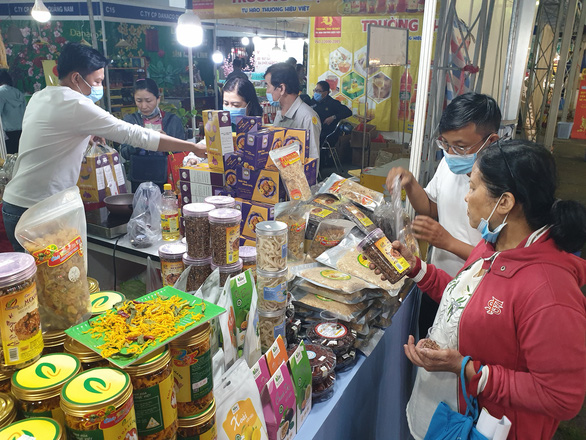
<point>89,359</point>
<point>201,426</point>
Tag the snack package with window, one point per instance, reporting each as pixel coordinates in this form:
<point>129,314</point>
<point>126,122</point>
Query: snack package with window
<point>339,186</point>
<point>54,233</point>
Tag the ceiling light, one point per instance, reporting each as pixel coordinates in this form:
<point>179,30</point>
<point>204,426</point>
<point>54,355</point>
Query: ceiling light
<point>256,40</point>
<point>217,57</point>
<point>189,30</point>
<point>245,41</point>
<point>276,45</point>
<point>40,12</point>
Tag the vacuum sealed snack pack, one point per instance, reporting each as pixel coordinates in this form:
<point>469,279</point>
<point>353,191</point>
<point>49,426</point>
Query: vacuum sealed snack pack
<point>290,166</point>
<point>339,186</point>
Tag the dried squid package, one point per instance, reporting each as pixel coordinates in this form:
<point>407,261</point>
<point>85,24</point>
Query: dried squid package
<point>290,166</point>
<point>54,233</point>
<point>339,186</point>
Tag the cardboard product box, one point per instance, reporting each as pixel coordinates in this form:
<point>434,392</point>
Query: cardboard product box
<point>302,378</point>
<point>357,135</point>
<point>246,125</point>
<point>263,186</point>
<point>311,171</point>
<point>257,147</point>
<point>252,214</point>
<point>279,407</point>
<point>197,192</point>
<point>245,241</point>
<point>218,135</point>
<point>375,178</point>
<point>203,174</point>
<point>357,157</point>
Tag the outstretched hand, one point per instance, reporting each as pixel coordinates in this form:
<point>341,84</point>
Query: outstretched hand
<point>433,360</point>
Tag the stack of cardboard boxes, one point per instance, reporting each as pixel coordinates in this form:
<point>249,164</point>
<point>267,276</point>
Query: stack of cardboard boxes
<point>239,166</point>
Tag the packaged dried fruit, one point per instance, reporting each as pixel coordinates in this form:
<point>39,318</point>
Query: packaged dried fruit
<point>329,233</point>
<point>295,215</point>
<point>334,335</point>
<point>54,233</point>
<point>197,229</point>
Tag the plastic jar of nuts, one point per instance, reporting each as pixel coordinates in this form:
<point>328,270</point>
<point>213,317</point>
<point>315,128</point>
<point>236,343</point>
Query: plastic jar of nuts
<point>18,286</point>
<point>379,250</point>
<point>192,365</point>
<point>225,236</point>
<point>171,256</point>
<point>37,388</point>
<point>154,397</point>
<point>272,289</point>
<point>228,271</point>
<point>53,341</point>
<point>201,426</point>
<point>104,301</point>
<point>221,201</point>
<point>271,246</point>
<point>89,396</point>
<point>197,229</point>
<point>271,325</point>
<point>89,359</point>
<point>199,270</point>
<point>7,410</point>
<point>248,256</point>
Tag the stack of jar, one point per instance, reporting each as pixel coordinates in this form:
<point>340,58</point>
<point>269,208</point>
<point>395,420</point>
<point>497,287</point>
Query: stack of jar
<point>197,235</point>
<point>271,280</point>
<point>225,241</point>
<point>171,256</point>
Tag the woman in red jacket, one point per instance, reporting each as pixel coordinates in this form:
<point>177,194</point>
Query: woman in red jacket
<point>516,307</point>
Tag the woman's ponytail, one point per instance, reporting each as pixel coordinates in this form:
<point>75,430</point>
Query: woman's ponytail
<point>568,225</point>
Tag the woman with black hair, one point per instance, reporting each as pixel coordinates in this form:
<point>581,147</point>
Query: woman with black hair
<point>239,97</point>
<point>150,166</point>
<point>516,307</point>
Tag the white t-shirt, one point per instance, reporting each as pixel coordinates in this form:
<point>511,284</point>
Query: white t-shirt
<point>448,190</point>
<point>56,129</point>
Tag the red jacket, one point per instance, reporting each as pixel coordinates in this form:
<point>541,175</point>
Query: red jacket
<point>527,322</point>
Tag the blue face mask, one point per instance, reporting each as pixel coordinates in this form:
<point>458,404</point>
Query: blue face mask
<point>236,114</point>
<point>271,100</point>
<point>483,228</point>
<point>460,164</point>
<point>317,96</point>
<point>97,92</point>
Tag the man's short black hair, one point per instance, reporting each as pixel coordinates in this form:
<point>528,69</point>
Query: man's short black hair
<point>283,73</point>
<point>325,86</point>
<point>237,63</point>
<point>471,108</point>
<point>79,58</point>
<point>5,77</point>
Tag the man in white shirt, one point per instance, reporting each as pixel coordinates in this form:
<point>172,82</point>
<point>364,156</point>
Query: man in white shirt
<point>468,124</point>
<point>283,88</point>
<point>57,126</point>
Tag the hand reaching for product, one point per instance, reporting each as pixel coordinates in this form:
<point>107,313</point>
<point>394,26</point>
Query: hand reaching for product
<point>405,176</point>
<point>432,360</point>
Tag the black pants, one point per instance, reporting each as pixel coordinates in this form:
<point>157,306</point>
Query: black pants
<point>12,141</point>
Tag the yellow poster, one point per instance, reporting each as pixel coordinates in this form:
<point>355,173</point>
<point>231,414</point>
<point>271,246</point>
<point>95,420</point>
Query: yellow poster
<point>50,70</point>
<point>338,55</point>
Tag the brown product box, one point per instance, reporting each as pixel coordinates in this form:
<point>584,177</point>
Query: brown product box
<point>252,214</point>
<point>357,136</point>
<point>257,146</point>
<point>197,192</point>
<point>201,173</point>
<point>218,134</point>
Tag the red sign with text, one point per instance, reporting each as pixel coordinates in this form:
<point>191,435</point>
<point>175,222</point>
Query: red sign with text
<point>328,27</point>
<point>579,127</point>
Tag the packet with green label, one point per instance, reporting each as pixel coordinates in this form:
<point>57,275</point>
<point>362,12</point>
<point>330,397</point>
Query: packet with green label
<point>301,376</point>
<point>241,289</point>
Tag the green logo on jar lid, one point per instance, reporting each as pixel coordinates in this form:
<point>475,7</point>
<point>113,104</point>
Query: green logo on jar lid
<point>335,275</point>
<point>363,261</point>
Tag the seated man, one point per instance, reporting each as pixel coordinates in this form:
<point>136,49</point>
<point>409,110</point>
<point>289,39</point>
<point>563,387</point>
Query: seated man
<point>330,111</point>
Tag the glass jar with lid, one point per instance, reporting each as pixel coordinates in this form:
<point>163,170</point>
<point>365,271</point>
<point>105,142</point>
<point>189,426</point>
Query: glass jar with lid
<point>199,271</point>
<point>53,341</point>
<point>7,409</point>
<point>200,426</point>
<point>248,256</point>
<point>230,270</point>
<point>171,256</point>
<point>271,324</point>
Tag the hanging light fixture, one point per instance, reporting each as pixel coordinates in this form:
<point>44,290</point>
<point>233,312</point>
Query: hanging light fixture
<point>189,29</point>
<point>245,41</point>
<point>13,35</point>
<point>217,57</point>
<point>276,42</point>
<point>40,12</point>
<point>256,39</point>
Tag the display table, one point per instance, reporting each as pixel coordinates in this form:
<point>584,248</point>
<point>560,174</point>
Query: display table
<point>369,400</point>
<point>124,249</point>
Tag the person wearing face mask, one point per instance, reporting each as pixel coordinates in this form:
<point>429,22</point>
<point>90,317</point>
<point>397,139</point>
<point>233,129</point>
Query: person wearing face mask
<point>468,125</point>
<point>58,124</point>
<point>145,165</point>
<point>330,110</point>
<point>515,307</point>
<point>283,90</point>
<point>239,98</point>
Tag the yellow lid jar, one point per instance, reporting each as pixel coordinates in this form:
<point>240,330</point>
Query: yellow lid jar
<point>154,396</point>
<point>103,301</point>
<point>7,410</point>
<point>93,285</point>
<point>89,359</point>
<point>192,365</point>
<point>98,404</point>
<point>37,388</point>
<point>53,341</point>
<point>40,428</point>
<point>201,426</point>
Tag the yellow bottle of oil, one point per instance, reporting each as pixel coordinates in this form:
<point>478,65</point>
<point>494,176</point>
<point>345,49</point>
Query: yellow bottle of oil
<point>169,215</point>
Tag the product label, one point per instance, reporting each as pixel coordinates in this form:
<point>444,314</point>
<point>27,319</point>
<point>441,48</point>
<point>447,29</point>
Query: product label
<point>55,256</point>
<point>326,241</point>
<point>54,414</point>
<point>114,425</point>
<point>362,260</point>
<point>298,227</point>
<point>311,354</point>
<point>36,429</point>
<point>155,407</point>
<point>392,255</point>
<point>170,223</point>
<point>241,291</point>
<point>284,250</point>
<point>289,159</point>
<point>337,185</point>
<point>20,326</point>
<point>242,421</point>
<point>322,298</point>
<point>193,374</point>
<point>232,244</point>
<point>295,194</point>
<point>331,330</point>
<point>360,216</point>
<point>171,271</point>
<point>277,293</point>
<point>321,212</point>
<point>335,275</point>
<point>279,330</point>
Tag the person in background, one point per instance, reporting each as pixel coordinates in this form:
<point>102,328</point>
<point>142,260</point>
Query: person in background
<point>516,307</point>
<point>12,107</point>
<point>330,110</point>
<point>237,72</point>
<point>145,165</point>
<point>58,124</point>
<point>302,78</point>
<point>239,97</point>
<point>283,89</point>
<point>468,124</point>
<point>292,62</point>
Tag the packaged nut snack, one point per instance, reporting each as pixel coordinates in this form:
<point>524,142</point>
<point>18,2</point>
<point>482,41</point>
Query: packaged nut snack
<point>272,289</point>
<point>199,271</point>
<point>221,201</point>
<point>154,396</point>
<point>200,426</point>
<point>379,250</point>
<point>271,325</point>
<point>20,323</point>
<point>290,166</point>
<point>333,335</point>
<point>38,387</point>
<point>172,267</point>
<point>197,229</point>
<point>192,366</point>
<point>324,390</point>
<point>322,361</point>
<point>54,233</point>
<point>230,270</point>
<point>225,236</point>
<point>98,404</point>
<point>339,186</point>
<point>271,246</point>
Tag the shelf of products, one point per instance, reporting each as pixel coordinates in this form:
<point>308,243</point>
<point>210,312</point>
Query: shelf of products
<point>121,84</point>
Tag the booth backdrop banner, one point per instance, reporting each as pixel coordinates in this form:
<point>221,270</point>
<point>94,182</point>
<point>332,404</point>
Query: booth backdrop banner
<point>338,52</point>
<point>579,127</point>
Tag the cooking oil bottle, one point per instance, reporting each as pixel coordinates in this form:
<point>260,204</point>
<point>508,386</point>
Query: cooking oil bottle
<point>169,215</point>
